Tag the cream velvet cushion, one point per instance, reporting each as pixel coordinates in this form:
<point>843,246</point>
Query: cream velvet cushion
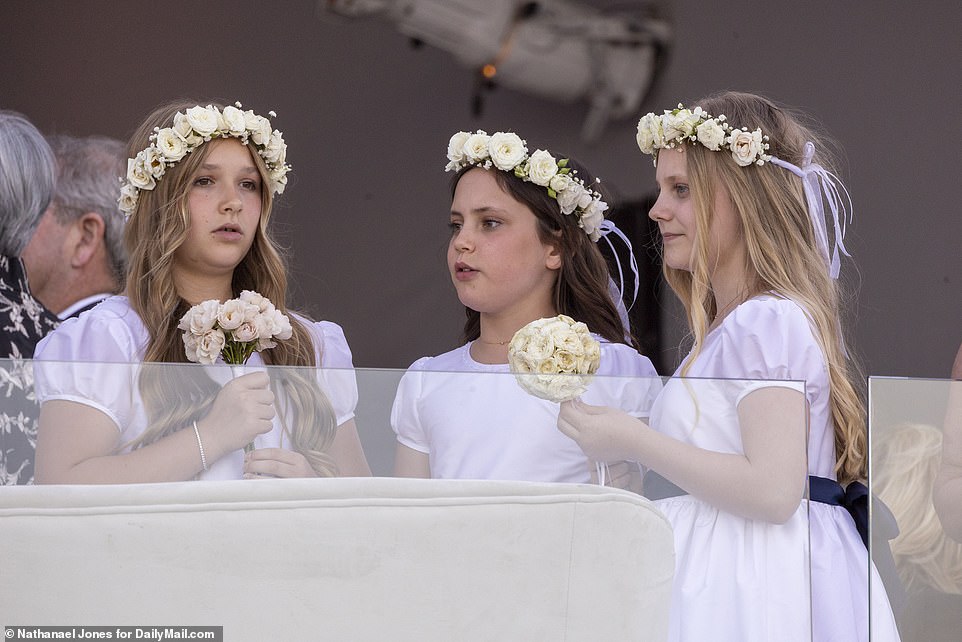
<point>340,559</point>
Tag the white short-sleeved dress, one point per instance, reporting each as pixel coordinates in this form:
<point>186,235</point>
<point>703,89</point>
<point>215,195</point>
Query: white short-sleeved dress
<point>739,579</point>
<point>110,341</point>
<point>474,421</point>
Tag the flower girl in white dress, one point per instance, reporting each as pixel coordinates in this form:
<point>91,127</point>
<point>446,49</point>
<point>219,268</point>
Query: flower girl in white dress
<point>198,196</point>
<point>741,209</point>
<point>523,232</point>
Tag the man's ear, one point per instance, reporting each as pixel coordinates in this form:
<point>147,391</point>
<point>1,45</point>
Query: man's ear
<point>86,238</point>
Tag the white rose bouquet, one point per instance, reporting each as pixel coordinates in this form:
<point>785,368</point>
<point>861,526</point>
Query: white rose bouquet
<point>234,329</point>
<point>554,358</point>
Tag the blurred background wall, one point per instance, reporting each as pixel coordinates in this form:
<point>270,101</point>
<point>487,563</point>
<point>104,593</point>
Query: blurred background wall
<point>367,117</point>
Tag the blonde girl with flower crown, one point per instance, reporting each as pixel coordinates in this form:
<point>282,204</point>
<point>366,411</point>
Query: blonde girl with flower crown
<point>522,247</point>
<point>745,190</point>
<point>198,192</point>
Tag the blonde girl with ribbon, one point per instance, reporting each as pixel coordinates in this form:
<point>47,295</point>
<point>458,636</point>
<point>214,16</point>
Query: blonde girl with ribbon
<point>766,411</point>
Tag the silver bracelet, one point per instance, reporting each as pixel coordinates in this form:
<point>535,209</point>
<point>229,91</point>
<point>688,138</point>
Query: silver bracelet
<point>200,446</point>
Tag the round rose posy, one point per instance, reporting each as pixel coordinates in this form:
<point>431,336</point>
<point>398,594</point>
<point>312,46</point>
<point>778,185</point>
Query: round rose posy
<point>554,358</point>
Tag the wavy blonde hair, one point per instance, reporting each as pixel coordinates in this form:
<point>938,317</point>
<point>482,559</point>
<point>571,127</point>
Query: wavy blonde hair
<point>781,252</point>
<point>907,460</point>
<point>173,397</point>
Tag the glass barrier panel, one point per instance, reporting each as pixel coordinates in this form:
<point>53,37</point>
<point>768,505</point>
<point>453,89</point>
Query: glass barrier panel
<point>915,473</point>
<point>746,566</point>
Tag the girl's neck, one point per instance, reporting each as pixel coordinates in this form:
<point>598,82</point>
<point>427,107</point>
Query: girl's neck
<point>194,289</point>
<point>729,294</point>
<point>497,330</point>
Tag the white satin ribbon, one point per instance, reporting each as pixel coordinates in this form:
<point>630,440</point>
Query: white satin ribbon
<point>608,227</point>
<point>821,186</point>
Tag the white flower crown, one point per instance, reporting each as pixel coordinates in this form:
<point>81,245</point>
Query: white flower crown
<point>508,152</point>
<point>697,126</point>
<point>190,130</point>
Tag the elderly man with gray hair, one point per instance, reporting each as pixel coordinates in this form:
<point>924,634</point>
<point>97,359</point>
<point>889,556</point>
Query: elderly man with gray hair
<point>76,258</point>
<point>28,173</point>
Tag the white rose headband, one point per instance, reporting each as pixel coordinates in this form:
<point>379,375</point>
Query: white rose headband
<point>509,152</point>
<point>190,130</point>
<point>821,187</point>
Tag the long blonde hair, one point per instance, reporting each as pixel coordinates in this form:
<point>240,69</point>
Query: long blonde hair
<point>907,459</point>
<point>159,226</point>
<point>781,252</point>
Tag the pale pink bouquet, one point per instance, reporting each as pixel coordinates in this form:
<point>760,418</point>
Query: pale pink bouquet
<point>234,329</point>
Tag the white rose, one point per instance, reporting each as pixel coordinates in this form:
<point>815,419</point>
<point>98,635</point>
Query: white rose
<point>649,135</point>
<point>182,125</point>
<point>138,175</point>
<point>569,198</point>
<point>548,366</point>
<point>190,347</point>
<point>567,362</point>
<point>262,303</point>
<point>668,130</point>
<point>234,120</point>
<point>184,130</point>
<point>542,167</point>
<point>247,331</point>
<point>261,131</point>
<point>539,347</point>
<point>282,325</point>
<point>557,325</point>
<point>210,345</point>
<point>203,120</point>
<point>559,183</point>
<point>456,147</point>
<point>128,198</point>
<point>711,134</point>
<point>592,218</point>
<point>201,318</point>
<point>154,161</point>
<point>275,152</point>
<point>570,343</point>
<point>745,146</point>
<point>585,200</point>
<point>507,150</point>
<point>265,344</point>
<point>231,314</point>
<point>171,145</point>
<point>686,122</point>
<point>476,147</point>
<point>280,182</point>
<point>251,312</point>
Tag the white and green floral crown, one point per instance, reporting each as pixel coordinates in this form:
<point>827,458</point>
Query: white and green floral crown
<point>190,130</point>
<point>682,125</point>
<point>508,152</point>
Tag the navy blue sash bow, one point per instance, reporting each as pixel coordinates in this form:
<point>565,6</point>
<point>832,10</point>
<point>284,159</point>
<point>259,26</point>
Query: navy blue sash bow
<point>854,499</point>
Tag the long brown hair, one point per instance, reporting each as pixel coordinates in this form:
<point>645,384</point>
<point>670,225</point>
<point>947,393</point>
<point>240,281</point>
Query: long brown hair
<point>155,230</point>
<point>581,290</point>
<point>781,251</point>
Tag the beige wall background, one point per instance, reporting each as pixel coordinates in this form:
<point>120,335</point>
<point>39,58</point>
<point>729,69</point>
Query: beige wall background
<point>367,119</point>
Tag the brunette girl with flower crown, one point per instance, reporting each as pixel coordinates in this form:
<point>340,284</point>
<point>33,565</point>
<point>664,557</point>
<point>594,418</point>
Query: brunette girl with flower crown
<point>744,187</point>
<point>523,232</point>
<point>198,193</point>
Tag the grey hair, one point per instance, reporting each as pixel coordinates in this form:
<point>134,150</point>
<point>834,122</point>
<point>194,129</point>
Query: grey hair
<point>28,172</point>
<point>89,181</point>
